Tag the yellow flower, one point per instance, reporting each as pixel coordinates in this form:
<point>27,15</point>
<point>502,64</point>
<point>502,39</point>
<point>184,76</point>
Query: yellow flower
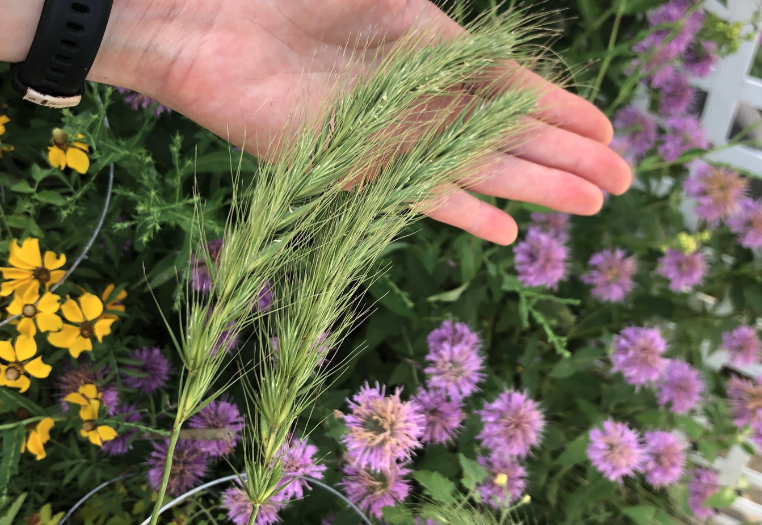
<point>88,399</point>
<point>27,266</point>
<point>62,154</point>
<point>30,307</point>
<point>115,305</point>
<point>3,121</point>
<point>19,364</point>
<point>89,323</point>
<point>37,438</point>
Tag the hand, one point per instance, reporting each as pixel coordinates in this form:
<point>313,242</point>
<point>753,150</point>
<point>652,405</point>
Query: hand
<point>238,67</point>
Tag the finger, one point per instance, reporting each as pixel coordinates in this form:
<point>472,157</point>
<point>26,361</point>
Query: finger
<point>458,208</point>
<point>510,177</point>
<point>563,150</point>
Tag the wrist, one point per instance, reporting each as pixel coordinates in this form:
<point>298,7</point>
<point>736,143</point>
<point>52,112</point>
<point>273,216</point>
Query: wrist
<point>18,24</point>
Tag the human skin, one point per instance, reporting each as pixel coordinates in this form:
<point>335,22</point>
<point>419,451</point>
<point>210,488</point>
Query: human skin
<point>238,67</point>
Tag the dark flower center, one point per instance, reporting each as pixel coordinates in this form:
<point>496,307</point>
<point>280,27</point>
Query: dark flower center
<point>13,372</point>
<point>89,426</point>
<point>29,310</point>
<point>42,275</point>
<point>86,330</point>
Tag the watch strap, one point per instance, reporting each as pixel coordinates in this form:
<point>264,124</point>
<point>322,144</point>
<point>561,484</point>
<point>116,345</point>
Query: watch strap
<point>64,48</point>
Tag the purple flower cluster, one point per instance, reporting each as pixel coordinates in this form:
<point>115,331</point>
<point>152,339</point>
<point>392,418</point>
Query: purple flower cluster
<point>455,364</point>
<point>240,507</point>
<point>681,134</point>
<point>122,444</point>
<point>513,424</point>
<point>150,374</point>
<point>700,58</point>
<point>505,481</point>
<point>189,465</point>
<point>681,386</point>
<point>84,374</point>
<point>675,93</point>
<point>746,223</point>
<point>665,458</point>
<point>718,192</point>
<point>638,355</point>
<point>201,279</point>
<point>636,131</point>
<point>371,491</point>
<point>555,224</point>
<point>541,259</point>
<point>140,101</point>
<point>703,484</point>
<point>745,398</point>
<point>685,271</point>
<point>220,414</point>
<point>742,344</point>
<point>610,275</point>
<point>616,450</point>
<point>443,416</point>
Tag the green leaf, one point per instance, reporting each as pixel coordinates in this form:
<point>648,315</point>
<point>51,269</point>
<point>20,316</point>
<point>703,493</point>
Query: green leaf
<point>450,296</point>
<point>708,449</point>
<point>13,438</point>
<point>9,517</point>
<point>690,426</point>
<point>724,498</point>
<point>50,197</point>
<point>753,296</point>
<point>575,452</point>
<point>398,515</point>
<point>641,514</point>
<point>391,296</point>
<point>436,485</point>
<point>22,186</point>
<point>473,473</point>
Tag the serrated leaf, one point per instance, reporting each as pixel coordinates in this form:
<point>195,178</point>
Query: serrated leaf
<point>641,514</point>
<point>398,515</point>
<point>436,485</point>
<point>724,498</point>
<point>50,197</point>
<point>575,452</point>
<point>690,426</point>
<point>13,438</point>
<point>473,473</point>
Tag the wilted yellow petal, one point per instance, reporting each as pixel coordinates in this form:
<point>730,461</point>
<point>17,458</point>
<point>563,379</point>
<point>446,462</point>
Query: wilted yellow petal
<point>36,368</point>
<point>92,307</point>
<point>49,303</point>
<point>65,337</point>
<point>7,352</point>
<point>26,256</point>
<point>25,348</point>
<point>77,159</point>
<point>48,322</point>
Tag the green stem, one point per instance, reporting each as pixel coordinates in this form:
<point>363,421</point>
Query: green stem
<point>609,53</point>
<point>254,513</point>
<point>167,471</point>
<point>24,422</point>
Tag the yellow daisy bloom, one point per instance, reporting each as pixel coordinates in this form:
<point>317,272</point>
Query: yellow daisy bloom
<point>14,373</point>
<point>26,265</point>
<point>37,438</point>
<point>88,399</point>
<point>87,316</point>
<point>30,307</point>
<point>62,154</point>
<point>115,305</point>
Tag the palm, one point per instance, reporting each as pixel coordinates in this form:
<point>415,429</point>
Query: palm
<point>240,68</point>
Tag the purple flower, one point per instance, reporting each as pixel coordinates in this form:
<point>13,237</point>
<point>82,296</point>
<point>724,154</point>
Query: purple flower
<point>382,429</point>
<point>637,128</point>
<point>681,386</point>
<point>756,432</point>
<point>85,374</point>
<point>452,334</point>
<point>297,459</point>
<point>718,192</point>
<point>121,444</point>
<point>505,481</point>
<point>665,458</point>
<point>702,485</point>
<point>745,400</point>
<point>638,354</point>
<point>513,424</point>
<point>227,340</point>
<point>747,223</point>
<point>742,344</point>
<point>611,275</point>
<point>443,417</point>
<point>553,223</point>
<point>153,367</point>
<point>138,101</point>
<point>240,507</point>
<point>372,491</point>
<point>684,270</point>
<point>189,465</point>
<point>624,148</point>
<point>675,94</point>
<point>616,450</point>
<point>540,260</point>
<point>200,277</point>
<point>683,133</point>
<point>700,58</point>
<point>219,414</point>
<point>455,369</point>
<point>264,300</point>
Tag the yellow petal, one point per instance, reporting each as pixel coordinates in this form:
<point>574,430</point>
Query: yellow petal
<point>27,256</point>
<point>77,398</point>
<point>91,392</point>
<point>43,428</point>
<point>92,307</point>
<point>8,287</point>
<point>53,261</point>
<point>80,345</point>
<point>17,305</point>
<point>55,276</point>
<point>48,322</point>
<point>26,327</point>
<point>107,292</point>
<point>72,311</point>
<point>49,303</point>
<point>35,446</point>
<point>17,273</point>
<point>23,446</point>
<point>36,368</point>
<point>65,337</point>
<point>103,327</point>
<point>86,413</point>
<point>93,436</point>
<point>77,159</point>
<point>3,381</point>
<point>22,383</point>
<point>29,292</point>
<point>7,352</point>
<point>57,157</point>
<point>25,347</point>
<point>106,433</point>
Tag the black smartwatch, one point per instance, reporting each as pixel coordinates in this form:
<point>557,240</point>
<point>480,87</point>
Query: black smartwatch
<point>63,51</point>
